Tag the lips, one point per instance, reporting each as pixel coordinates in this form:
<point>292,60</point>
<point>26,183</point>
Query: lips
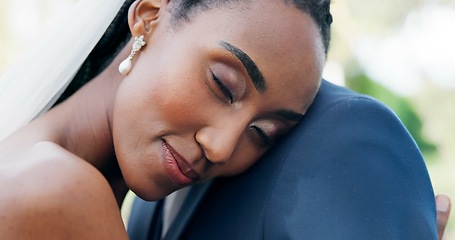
<point>177,167</point>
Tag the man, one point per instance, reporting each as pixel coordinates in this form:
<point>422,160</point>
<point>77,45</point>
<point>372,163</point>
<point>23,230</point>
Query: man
<point>349,170</point>
<point>443,206</point>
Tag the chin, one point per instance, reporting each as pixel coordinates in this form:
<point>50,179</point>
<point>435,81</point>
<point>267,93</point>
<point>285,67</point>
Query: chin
<point>149,191</point>
<point>151,197</point>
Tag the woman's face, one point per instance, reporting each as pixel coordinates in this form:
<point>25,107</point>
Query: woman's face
<point>209,98</point>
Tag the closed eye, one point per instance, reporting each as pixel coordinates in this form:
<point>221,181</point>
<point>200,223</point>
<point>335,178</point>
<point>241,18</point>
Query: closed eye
<point>266,140</point>
<point>225,90</point>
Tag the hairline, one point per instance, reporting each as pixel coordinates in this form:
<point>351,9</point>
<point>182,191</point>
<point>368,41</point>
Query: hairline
<point>180,17</point>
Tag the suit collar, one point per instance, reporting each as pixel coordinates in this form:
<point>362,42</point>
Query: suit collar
<point>187,210</point>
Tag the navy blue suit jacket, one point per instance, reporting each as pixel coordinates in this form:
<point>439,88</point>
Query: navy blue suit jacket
<point>349,170</point>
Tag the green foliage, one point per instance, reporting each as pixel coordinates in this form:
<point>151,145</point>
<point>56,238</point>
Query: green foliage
<point>401,106</point>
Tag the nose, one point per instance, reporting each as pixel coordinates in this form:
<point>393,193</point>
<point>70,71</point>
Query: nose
<point>220,142</point>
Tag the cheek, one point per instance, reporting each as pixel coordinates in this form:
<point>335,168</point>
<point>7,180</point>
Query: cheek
<point>177,105</point>
<point>242,160</point>
<point>161,101</point>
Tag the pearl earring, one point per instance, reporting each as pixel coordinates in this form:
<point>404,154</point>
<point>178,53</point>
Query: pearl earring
<point>125,67</point>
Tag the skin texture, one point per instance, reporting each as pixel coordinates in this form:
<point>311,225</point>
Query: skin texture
<point>187,109</point>
<point>52,169</point>
<point>443,206</point>
<point>39,210</point>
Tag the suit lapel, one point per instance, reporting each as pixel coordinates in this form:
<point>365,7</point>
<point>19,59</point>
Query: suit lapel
<point>138,226</point>
<point>185,213</point>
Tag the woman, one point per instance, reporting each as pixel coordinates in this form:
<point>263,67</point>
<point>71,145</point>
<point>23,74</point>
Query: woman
<point>212,86</point>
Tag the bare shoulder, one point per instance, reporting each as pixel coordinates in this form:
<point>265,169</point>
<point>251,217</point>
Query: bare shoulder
<point>49,193</point>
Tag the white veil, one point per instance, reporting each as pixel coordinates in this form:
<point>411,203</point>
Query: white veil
<point>34,82</point>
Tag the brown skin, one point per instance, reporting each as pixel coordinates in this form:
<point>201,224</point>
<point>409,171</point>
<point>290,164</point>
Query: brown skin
<point>178,101</point>
<point>443,206</point>
<point>170,96</point>
<point>53,193</point>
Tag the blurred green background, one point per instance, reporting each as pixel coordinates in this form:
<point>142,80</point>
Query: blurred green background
<point>399,51</point>
<point>402,52</point>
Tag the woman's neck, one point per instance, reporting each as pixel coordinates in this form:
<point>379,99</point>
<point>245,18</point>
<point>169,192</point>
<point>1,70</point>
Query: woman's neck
<point>86,127</point>
<point>82,123</point>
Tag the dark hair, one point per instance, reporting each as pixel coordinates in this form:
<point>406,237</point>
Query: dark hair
<point>117,35</point>
<point>319,10</point>
<point>111,43</point>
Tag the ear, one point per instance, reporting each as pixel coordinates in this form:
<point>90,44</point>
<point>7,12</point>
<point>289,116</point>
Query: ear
<point>143,16</point>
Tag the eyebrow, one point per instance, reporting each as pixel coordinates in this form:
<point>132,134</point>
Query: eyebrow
<point>253,71</point>
<point>289,115</point>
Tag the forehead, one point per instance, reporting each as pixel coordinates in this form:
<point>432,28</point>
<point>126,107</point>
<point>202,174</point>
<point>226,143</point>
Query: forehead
<point>283,41</point>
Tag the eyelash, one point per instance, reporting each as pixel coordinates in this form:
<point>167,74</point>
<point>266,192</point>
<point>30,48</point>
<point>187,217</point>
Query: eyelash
<point>267,139</point>
<point>226,91</point>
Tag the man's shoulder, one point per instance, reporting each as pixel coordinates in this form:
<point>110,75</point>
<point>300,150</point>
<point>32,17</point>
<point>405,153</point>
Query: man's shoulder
<point>332,97</point>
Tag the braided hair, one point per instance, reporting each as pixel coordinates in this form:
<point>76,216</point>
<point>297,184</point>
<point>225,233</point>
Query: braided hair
<point>108,47</point>
<point>118,35</point>
<point>319,10</point>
